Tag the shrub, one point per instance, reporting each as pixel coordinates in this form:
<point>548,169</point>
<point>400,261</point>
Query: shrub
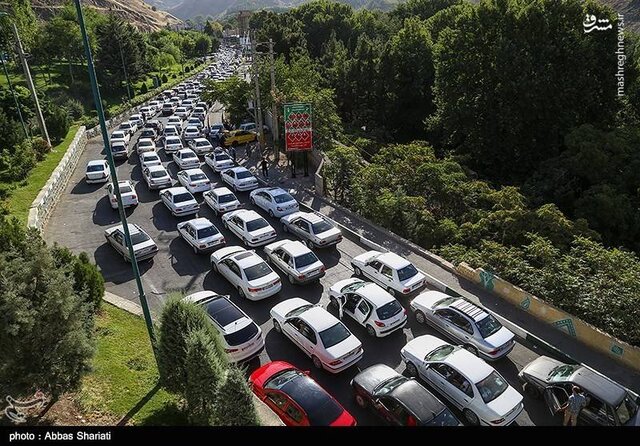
<point>144,89</point>
<point>58,122</point>
<point>87,280</point>
<point>234,401</point>
<point>40,148</point>
<point>17,162</point>
<point>174,75</point>
<point>74,108</point>
<point>165,79</point>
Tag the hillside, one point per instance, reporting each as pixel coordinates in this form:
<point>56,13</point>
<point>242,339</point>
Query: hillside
<point>186,9</point>
<point>136,12</point>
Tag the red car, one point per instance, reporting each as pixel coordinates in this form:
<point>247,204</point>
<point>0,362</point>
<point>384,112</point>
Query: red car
<point>296,398</point>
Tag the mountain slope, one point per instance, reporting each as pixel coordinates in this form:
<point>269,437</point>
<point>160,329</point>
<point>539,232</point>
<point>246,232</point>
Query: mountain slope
<point>136,12</point>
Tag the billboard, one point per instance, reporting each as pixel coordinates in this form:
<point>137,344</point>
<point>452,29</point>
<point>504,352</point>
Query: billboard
<point>298,132</point>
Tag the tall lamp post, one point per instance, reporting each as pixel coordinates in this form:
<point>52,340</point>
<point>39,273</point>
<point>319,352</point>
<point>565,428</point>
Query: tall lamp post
<point>114,178</point>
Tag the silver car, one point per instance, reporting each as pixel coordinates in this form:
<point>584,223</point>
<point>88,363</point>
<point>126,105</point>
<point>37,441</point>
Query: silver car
<point>144,247</point>
<point>298,262</point>
<point>464,322</point>
<point>314,230</point>
<point>179,201</point>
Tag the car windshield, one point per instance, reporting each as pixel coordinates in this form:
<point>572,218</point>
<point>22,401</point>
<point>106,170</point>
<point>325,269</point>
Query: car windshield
<point>280,379</point>
<point>174,141</point>
<point>158,174</point>
<point>188,155</point>
<point>209,231</point>
<point>354,286</point>
<point>243,174</point>
<point>118,148</point>
<point>627,409</point>
<point>151,157</point>
<point>179,198</point>
<point>321,226</point>
<point>439,353</point>
<point>298,311</point>
<point>488,326</point>
<point>387,386</point>
<point>125,189</point>
<point>217,127</point>
<point>198,177</point>
<point>226,198</point>
<point>334,335</point>
<point>407,272</point>
<point>444,418</point>
<point>492,387</point>
<point>257,271</point>
<point>389,310</point>
<point>241,336</point>
<point>145,143</point>
<point>306,260</point>
<point>256,224</point>
<point>139,237</point>
<point>222,157</point>
<point>562,372</point>
<point>283,198</point>
<point>95,168</point>
<point>203,144</point>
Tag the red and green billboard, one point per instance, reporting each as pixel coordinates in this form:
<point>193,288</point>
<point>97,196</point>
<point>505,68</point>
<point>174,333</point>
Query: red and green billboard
<point>298,130</point>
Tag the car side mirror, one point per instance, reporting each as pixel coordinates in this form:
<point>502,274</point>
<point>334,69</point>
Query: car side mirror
<point>307,372</point>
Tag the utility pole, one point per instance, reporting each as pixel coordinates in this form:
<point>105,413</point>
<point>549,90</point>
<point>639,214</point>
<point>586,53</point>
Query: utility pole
<point>114,178</point>
<point>15,97</point>
<point>32,88</point>
<point>274,105</point>
<point>254,63</point>
<point>124,69</point>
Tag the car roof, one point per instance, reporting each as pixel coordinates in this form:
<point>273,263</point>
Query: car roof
<point>310,217</point>
<point>145,140</point>
<point>192,171</point>
<point>393,260</point>
<point>247,214</point>
<point>176,190</point>
<point>319,318</point>
<point>319,406</point>
<point>374,294</point>
<point>598,385</point>
<point>156,167</point>
<point>133,229</point>
<point>245,259</point>
<point>295,248</point>
<point>470,309</point>
<point>186,151</point>
<point>96,163</point>
<point>239,169</point>
<point>469,364</point>
<point>202,140</point>
<point>221,191</point>
<point>418,400</point>
<point>200,223</point>
<point>192,128</point>
<point>152,153</point>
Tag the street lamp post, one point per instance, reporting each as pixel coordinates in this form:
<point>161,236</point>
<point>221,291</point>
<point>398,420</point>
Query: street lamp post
<point>114,177</point>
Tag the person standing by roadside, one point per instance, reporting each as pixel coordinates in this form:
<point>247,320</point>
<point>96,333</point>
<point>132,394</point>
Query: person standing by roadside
<point>265,167</point>
<point>232,152</point>
<point>577,402</point>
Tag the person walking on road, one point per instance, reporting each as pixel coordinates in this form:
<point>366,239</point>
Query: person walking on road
<point>577,402</point>
<point>265,167</point>
<point>232,152</point>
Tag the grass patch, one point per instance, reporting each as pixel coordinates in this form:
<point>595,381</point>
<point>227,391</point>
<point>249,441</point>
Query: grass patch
<point>23,195</point>
<point>124,377</point>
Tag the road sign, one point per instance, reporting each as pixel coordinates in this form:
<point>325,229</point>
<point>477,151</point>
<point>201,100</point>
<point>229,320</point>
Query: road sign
<point>298,128</point>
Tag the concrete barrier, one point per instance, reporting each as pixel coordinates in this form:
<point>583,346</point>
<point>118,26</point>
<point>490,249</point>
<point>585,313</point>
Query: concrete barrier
<point>556,318</point>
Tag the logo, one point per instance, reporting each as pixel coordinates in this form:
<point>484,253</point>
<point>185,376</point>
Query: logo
<point>591,23</point>
<point>16,409</point>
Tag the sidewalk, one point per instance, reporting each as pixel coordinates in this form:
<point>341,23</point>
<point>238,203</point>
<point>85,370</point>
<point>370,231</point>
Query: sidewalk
<point>536,334</point>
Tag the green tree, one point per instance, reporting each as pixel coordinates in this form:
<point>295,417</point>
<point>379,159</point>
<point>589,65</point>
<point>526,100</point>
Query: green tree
<point>341,171</point>
<point>57,120</point>
<point>234,93</point>
<point>234,401</point>
<point>203,45</point>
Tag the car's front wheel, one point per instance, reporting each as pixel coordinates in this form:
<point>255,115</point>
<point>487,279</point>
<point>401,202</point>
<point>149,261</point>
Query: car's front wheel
<point>391,291</point>
<point>420,317</point>
<point>412,370</point>
<point>471,417</point>
<point>195,250</point>
<point>316,362</point>
<point>471,349</point>
<point>276,326</point>
<point>252,200</point>
<point>360,401</point>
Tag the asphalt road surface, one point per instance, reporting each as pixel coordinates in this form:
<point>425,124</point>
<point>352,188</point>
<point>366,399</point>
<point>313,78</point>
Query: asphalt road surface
<point>84,213</point>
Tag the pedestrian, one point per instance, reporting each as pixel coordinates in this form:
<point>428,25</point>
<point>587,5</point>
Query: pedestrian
<point>265,168</point>
<point>577,401</point>
<point>232,152</point>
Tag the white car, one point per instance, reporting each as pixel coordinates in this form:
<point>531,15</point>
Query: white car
<point>121,134</point>
<point>249,227</point>
<point>147,112</point>
<point>190,133</point>
<point>157,177</point>
<point>239,178</point>
<point>201,146</point>
<point>318,333</point>
<point>221,200</point>
<point>298,262</point>
<point>127,192</point>
<point>179,201</point>
<point>148,159</point>
<point>182,112</point>
<point>170,130</point>
<point>188,104</point>
<point>313,229</point>
<point>145,145</point>
<point>168,108</point>
<point>138,120</point>
<point>119,148</point>
<point>393,273</point>
<point>194,180</point>
<point>172,144</point>
<point>241,337</point>
<point>369,305</point>
<point>201,234</point>
<point>155,106</point>
<point>218,161</point>
<point>247,272</point>
<point>195,121</point>
<point>465,323</point>
<point>275,200</point>
<point>97,172</point>
<point>199,113</point>
<point>128,127</point>
<point>469,383</point>
<point>144,247</point>
<point>186,159</point>
<point>175,121</point>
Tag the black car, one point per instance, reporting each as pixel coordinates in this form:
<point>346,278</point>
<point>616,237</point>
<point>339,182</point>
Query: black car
<point>398,400</point>
<point>608,403</point>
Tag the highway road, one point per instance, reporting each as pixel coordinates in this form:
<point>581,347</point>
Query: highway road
<point>84,213</point>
